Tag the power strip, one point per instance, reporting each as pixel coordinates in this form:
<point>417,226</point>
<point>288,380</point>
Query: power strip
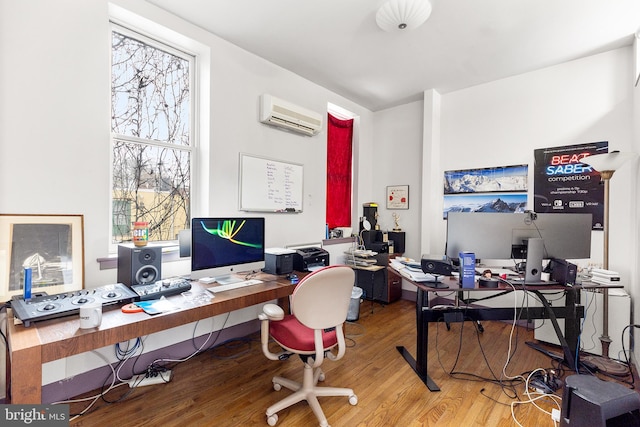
<point>145,379</point>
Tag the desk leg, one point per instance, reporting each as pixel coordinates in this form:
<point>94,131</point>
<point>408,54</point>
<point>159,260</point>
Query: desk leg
<point>26,377</point>
<point>572,325</point>
<point>24,365</point>
<point>419,364</point>
<point>568,340</point>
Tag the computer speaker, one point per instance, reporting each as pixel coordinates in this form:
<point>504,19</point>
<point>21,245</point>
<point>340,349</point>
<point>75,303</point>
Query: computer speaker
<point>139,265</point>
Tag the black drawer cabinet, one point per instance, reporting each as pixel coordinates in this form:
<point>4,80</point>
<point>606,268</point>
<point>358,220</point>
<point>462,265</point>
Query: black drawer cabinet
<point>374,283</point>
<point>394,286</point>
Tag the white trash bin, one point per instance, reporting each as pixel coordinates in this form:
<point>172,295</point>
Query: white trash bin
<point>354,305</point>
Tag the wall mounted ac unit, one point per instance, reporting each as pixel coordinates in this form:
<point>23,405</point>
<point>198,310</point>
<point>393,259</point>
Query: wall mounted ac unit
<point>277,112</point>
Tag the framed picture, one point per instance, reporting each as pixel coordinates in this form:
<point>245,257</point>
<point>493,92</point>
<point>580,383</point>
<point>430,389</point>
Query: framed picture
<point>51,245</point>
<point>398,197</point>
<point>497,179</point>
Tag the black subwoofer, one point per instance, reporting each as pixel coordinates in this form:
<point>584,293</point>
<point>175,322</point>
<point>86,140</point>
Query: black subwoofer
<point>139,265</point>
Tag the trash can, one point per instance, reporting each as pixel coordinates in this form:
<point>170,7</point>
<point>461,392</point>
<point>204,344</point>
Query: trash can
<point>354,305</point>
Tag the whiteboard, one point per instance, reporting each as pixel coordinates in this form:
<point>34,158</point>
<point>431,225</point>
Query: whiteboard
<point>268,185</point>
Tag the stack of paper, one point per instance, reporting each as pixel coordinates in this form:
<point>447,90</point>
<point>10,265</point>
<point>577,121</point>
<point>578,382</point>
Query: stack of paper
<point>407,270</point>
<point>360,257</point>
<point>605,277</point>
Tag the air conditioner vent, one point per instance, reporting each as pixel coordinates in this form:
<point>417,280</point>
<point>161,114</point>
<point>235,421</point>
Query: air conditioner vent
<point>277,112</point>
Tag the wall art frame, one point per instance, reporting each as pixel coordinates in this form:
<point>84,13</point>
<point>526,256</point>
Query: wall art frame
<point>51,245</point>
<point>398,197</point>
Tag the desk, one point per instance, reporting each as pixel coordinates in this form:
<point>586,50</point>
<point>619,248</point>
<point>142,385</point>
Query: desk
<point>572,312</point>
<point>55,339</point>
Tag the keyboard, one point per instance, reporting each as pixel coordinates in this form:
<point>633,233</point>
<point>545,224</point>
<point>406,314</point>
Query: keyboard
<point>237,285</point>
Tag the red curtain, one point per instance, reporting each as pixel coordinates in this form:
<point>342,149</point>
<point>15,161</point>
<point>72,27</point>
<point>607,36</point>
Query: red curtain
<point>339,159</point>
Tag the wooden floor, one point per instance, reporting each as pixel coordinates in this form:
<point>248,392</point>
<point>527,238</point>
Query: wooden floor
<point>231,385</point>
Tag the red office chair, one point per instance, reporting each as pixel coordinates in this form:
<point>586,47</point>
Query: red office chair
<point>313,330</point>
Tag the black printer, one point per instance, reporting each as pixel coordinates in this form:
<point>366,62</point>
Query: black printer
<point>306,259</point>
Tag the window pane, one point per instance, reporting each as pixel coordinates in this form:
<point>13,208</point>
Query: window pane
<point>121,220</point>
<point>150,92</point>
<point>156,182</point>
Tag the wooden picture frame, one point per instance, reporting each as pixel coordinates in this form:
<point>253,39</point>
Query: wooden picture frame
<point>52,245</point>
<point>398,197</point>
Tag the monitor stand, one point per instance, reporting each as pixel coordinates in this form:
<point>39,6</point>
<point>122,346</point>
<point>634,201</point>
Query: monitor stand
<point>436,284</point>
<point>533,268</point>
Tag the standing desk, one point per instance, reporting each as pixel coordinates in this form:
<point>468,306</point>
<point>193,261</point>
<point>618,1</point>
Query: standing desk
<point>572,312</point>
<point>48,340</point>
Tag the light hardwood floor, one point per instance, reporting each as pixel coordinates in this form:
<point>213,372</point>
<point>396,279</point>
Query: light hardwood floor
<point>231,385</point>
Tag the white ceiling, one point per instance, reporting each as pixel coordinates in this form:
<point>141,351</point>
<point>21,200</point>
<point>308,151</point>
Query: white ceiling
<point>337,44</point>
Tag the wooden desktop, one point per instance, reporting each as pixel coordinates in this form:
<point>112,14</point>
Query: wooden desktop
<point>45,341</point>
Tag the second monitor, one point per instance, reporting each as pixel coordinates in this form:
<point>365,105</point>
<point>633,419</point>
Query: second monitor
<point>542,236</point>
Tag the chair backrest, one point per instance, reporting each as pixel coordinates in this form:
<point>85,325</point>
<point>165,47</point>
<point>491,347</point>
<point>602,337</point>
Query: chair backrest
<point>321,299</point>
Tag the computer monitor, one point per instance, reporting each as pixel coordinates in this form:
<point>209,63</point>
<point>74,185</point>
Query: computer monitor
<point>502,236</point>
<point>221,247</point>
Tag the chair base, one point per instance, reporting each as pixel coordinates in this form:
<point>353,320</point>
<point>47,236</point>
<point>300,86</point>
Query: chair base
<point>309,391</point>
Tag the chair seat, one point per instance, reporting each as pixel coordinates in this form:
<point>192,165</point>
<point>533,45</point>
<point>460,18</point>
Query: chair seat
<point>292,334</point>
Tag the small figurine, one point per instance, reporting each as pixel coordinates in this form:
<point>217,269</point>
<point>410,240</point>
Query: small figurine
<point>396,217</point>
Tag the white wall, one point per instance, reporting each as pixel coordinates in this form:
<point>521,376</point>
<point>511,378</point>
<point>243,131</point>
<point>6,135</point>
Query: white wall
<point>397,161</point>
<point>54,129</point>
<point>503,122</point>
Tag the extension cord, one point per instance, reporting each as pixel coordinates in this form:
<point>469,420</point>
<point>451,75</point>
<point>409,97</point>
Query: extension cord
<point>144,379</point>
<point>544,387</point>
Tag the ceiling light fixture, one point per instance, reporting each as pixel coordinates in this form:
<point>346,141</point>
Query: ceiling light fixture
<point>403,15</point>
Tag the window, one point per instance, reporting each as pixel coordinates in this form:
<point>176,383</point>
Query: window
<point>152,136</point>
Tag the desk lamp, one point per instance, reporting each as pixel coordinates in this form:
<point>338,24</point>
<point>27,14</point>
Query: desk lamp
<point>606,164</point>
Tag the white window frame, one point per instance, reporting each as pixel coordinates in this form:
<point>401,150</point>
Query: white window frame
<point>124,20</point>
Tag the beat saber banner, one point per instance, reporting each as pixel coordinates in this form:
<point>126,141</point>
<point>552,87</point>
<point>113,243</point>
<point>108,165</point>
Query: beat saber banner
<point>562,183</point>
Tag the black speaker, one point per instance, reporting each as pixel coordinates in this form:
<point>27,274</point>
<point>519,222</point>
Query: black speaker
<point>139,265</point>
<point>562,271</point>
<point>590,401</point>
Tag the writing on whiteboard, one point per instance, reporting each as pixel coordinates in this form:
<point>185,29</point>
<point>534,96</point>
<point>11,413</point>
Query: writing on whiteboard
<point>270,185</point>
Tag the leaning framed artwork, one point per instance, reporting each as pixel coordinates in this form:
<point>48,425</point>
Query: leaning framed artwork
<point>51,245</point>
<point>398,197</point>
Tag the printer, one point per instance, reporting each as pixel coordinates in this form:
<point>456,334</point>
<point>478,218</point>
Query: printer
<point>308,259</point>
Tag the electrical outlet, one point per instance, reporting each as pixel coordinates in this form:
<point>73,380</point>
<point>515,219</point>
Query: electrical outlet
<point>146,379</point>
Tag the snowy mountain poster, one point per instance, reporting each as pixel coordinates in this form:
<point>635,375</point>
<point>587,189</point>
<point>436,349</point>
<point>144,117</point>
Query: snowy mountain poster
<point>485,190</point>
<point>563,184</point>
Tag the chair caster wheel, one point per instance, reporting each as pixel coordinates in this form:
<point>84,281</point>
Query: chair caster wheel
<point>321,377</point>
<point>277,387</point>
<point>353,400</point>
<point>272,419</point>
